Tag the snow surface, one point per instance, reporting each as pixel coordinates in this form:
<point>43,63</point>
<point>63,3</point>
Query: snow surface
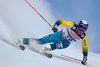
<point>13,57</point>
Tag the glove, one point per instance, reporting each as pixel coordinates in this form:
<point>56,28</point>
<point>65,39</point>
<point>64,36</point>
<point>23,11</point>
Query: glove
<point>84,60</point>
<point>55,29</point>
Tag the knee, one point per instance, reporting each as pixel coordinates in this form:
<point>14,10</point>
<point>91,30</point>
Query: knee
<point>59,45</point>
<point>53,46</point>
<point>66,44</point>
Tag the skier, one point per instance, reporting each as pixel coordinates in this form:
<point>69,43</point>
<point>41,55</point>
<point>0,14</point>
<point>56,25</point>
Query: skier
<point>62,39</point>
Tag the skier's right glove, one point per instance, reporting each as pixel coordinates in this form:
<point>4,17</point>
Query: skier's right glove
<point>84,60</point>
<point>54,28</point>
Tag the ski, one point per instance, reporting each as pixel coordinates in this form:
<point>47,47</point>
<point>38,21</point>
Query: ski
<point>48,55</point>
<point>21,47</point>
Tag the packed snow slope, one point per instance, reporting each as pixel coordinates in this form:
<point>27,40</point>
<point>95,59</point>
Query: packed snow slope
<point>21,21</point>
<point>13,57</point>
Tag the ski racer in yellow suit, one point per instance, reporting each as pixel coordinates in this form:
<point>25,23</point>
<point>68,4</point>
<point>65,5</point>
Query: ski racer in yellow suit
<point>74,32</point>
<point>62,39</point>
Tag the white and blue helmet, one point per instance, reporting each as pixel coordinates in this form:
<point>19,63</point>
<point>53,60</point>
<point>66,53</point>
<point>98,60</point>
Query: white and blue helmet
<point>83,25</point>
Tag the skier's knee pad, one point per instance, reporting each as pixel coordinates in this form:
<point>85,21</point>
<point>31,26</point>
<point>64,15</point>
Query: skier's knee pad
<point>66,44</point>
<point>53,46</point>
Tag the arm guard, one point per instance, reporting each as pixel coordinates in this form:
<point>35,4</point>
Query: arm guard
<point>84,46</point>
<point>67,24</point>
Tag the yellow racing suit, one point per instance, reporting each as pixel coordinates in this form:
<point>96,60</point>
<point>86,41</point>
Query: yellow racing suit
<point>71,34</point>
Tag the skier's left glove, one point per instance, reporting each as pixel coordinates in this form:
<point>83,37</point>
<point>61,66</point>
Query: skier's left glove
<point>84,60</point>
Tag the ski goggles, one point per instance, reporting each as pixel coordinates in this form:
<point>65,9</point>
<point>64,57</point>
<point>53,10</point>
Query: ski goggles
<point>82,29</point>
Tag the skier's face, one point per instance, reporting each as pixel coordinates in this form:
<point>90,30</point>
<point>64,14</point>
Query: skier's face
<point>80,30</point>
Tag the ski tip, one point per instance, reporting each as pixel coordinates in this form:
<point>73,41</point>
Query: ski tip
<point>22,47</point>
<point>48,55</point>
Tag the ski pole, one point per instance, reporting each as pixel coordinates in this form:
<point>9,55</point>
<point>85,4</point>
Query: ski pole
<point>71,57</point>
<point>38,13</point>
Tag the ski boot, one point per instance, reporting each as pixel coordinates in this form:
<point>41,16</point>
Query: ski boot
<point>22,42</point>
<point>46,48</point>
